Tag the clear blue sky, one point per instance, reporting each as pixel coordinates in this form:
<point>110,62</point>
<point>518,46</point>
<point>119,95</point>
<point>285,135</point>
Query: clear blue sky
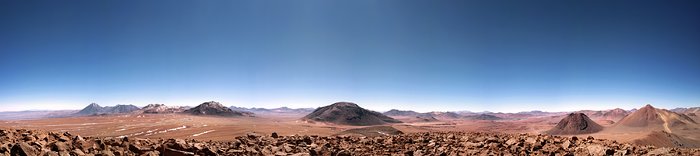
<point>422,55</point>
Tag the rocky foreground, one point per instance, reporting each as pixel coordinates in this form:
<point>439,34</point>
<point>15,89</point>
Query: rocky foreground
<point>32,142</point>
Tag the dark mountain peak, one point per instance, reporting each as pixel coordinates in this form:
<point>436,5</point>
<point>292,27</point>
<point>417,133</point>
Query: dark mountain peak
<point>215,108</point>
<point>575,123</point>
<point>346,113</point>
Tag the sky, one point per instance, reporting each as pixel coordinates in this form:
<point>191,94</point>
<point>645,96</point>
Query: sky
<point>499,56</point>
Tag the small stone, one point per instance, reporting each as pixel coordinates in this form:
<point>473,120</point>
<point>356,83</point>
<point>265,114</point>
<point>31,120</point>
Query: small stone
<point>307,140</point>
<point>252,135</point>
<point>596,150</point>
<point>344,153</point>
<point>418,153</point>
<point>566,144</point>
<point>105,153</point>
<point>23,149</point>
<point>59,146</point>
<point>135,149</point>
<point>511,141</point>
<point>77,152</point>
<point>175,152</point>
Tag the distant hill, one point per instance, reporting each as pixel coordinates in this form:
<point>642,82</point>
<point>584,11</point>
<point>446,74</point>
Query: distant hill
<point>36,114</point>
<point>410,116</point>
<point>445,115</point>
<point>483,117</point>
<point>346,113</point>
<point>216,109</point>
<point>614,115</point>
<point>575,123</point>
<point>280,110</point>
<point>96,109</point>
<point>121,109</point>
<point>396,112</point>
<point>694,110</point>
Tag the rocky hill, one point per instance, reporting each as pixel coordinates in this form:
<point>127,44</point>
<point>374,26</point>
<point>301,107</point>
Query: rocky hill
<point>445,115</point>
<point>410,116</point>
<point>161,109</point>
<point>346,113</point>
<point>216,109</point>
<point>651,117</point>
<point>96,109</point>
<point>575,123</point>
<point>31,142</point>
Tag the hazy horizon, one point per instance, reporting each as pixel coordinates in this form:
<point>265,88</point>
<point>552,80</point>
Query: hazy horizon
<point>408,55</point>
<point>361,105</point>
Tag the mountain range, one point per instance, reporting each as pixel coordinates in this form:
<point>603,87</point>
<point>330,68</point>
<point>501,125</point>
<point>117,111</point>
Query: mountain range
<point>96,109</point>
<point>274,110</point>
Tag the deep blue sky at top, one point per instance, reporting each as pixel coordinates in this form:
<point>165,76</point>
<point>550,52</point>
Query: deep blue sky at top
<point>422,55</point>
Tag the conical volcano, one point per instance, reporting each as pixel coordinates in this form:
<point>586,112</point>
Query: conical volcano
<point>93,108</point>
<point>645,116</point>
<point>575,123</point>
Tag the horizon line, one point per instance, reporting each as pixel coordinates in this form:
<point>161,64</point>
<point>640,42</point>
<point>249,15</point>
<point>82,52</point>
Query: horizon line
<point>463,110</point>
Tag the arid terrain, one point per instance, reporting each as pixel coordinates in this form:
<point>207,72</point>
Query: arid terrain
<point>31,142</point>
<point>627,132</point>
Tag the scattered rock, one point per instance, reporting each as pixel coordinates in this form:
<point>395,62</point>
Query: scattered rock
<point>23,149</point>
<point>428,143</point>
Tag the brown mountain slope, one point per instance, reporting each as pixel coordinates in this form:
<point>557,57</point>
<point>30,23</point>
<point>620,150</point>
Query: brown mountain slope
<point>652,118</point>
<point>665,139</point>
<point>575,123</point>
<point>346,113</point>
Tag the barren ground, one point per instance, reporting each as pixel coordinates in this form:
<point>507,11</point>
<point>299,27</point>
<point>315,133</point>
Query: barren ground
<point>226,128</point>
